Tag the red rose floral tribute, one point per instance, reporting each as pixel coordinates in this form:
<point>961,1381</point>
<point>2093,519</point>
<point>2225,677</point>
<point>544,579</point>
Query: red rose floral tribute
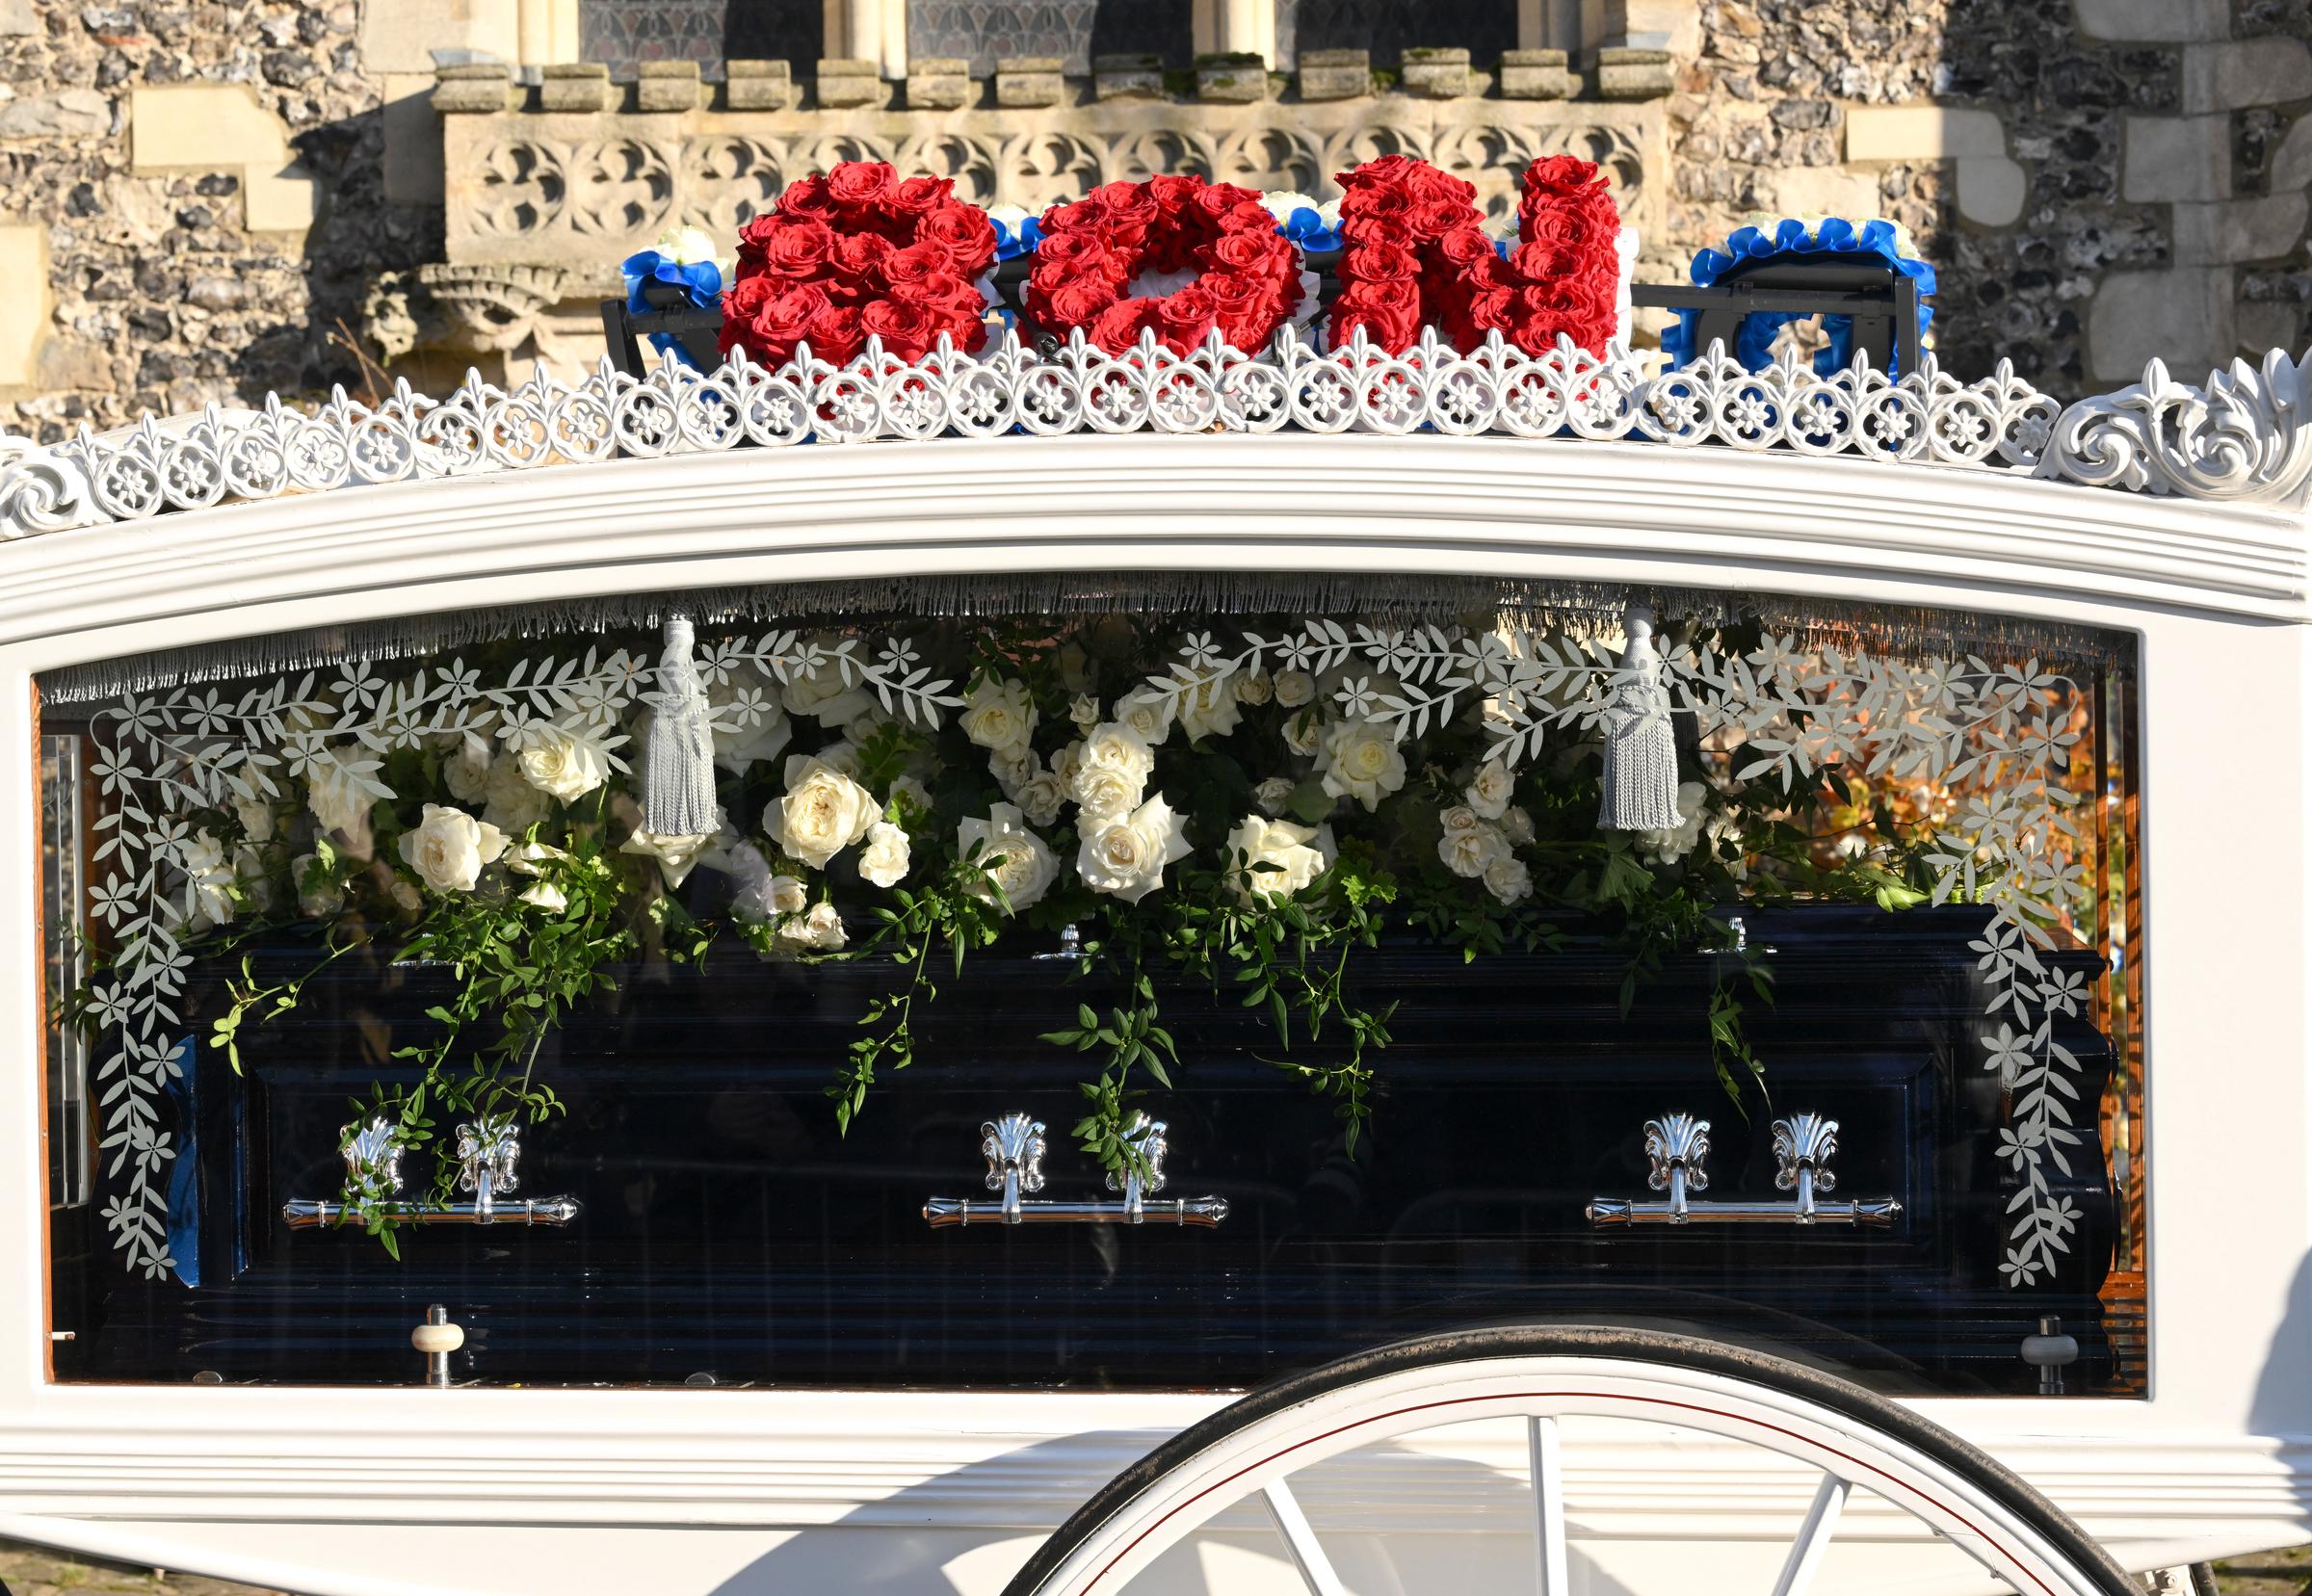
<point>1248,275</point>
<point>1418,255</point>
<point>858,253</point>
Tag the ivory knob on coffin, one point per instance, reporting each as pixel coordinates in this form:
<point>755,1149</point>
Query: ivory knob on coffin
<point>437,1338</point>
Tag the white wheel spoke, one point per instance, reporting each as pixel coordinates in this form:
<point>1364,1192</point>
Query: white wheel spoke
<point>1549,1505</point>
<point>1814,1537</point>
<point>1315,1569</point>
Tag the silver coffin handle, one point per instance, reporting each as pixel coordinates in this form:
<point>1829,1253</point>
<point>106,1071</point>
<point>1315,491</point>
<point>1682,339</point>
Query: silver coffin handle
<point>1013,1148</point>
<point>1678,1143</point>
<point>489,1151</point>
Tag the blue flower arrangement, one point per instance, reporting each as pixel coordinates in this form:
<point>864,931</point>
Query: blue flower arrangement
<point>1307,227</point>
<point>1791,240</point>
<point>1017,232</point>
<point>684,257</point>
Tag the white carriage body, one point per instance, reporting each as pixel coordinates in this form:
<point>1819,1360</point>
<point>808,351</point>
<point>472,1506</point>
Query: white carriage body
<point>365,1492</point>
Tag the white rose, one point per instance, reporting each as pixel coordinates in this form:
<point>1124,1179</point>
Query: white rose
<point>1124,856</point>
<point>1084,712</point>
<point>677,854</point>
<point>1273,794</point>
<point>448,848</point>
<point>509,802</point>
<point>563,765</point>
<point>824,812</point>
<point>1104,791</point>
<point>467,771</point>
<point>1472,851</point>
<point>1210,707</point>
<point>1116,746</point>
<point>686,246</point>
<point>820,931</point>
<point>1361,759</point>
<point>255,816</point>
<point>1295,687</point>
<point>825,696</point>
<point>1067,762</point>
<point>1490,791</point>
<point>1675,843</point>
<point>843,756</point>
<point>1040,797</point>
<point>406,898</point>
<point>787,894</point>
<point>321,901</point>
<point>1148,713</point>
<point>1507,880</point>
<point>998,715</point>
<point>544,895</point>
<point>1460,818</point>
<point>1299,854</point>
<point>1016,857</point>
<point>1304,732</point>
<point>211,879</point>
<point>531,858</point>
<point>1254,687</point>
<point>910,793</point>
<point>885,860</point>
<point>339,803</point>
<point>1517,824</point>
<point>1011,767</point>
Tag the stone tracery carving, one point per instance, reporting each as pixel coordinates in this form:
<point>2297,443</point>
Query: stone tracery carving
<point>729,179</point>
<point>623,187</point>
<point>522,187</point>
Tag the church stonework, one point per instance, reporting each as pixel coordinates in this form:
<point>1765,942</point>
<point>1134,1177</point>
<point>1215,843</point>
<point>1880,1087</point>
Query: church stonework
<point>201,203</point>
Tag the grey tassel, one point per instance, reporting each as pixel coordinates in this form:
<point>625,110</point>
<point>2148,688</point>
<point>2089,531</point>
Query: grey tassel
<point>678,757</point>
<point>1640,780</point>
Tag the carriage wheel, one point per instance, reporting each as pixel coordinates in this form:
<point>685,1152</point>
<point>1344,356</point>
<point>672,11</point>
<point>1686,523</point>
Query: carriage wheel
<point>1557,1380</point>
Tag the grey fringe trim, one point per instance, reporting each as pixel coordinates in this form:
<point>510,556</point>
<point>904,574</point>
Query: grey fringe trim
<point>1578,609</point>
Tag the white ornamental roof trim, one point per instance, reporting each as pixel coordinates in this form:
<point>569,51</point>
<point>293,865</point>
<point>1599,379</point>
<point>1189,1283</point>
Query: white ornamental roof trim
<point>2242,439</point>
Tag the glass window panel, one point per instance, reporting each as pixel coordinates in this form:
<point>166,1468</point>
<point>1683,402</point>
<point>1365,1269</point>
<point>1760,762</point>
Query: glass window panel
<point>1311,870</point>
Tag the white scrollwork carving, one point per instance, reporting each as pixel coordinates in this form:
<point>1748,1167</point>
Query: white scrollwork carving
<point>2241,439</point>
<point>2242,436</point>
<point>41,490</point>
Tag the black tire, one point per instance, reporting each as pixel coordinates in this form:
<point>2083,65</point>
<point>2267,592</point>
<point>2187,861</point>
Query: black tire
<point>1839,1396</point>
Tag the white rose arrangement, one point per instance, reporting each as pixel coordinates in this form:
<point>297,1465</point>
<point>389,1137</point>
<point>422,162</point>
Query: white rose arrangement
<point>1271,759</point>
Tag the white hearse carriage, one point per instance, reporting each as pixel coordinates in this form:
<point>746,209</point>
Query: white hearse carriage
<point>798,976</point>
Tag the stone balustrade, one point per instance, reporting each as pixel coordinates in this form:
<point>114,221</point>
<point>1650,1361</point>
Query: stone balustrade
<point>576,172</point>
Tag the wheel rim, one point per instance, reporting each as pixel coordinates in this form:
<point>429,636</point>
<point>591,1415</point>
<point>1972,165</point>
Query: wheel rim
<point>1256,1464</point>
